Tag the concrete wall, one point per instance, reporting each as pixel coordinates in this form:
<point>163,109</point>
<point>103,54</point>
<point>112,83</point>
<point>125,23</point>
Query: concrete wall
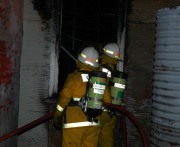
<point>10,52</point>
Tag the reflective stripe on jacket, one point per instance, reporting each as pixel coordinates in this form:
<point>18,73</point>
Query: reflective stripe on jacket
<point>81,124</point>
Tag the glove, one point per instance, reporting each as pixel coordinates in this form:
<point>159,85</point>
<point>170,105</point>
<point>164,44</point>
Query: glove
<point>57,120</point>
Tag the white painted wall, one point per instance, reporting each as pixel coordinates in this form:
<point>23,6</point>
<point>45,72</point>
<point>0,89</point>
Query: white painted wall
<point>38,76</point>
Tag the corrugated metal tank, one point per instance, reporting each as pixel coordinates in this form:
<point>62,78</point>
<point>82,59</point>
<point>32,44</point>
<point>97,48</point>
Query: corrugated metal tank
<point>165,128</point>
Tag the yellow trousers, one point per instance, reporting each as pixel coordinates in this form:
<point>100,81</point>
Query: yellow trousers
<point>107,130</point>
<point>79,136</point>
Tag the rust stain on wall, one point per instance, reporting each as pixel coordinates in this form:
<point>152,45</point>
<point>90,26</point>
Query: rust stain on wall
<point>10,50</point>
<point>6,105</point>
<point>5,65</point>
<point>4,14</point>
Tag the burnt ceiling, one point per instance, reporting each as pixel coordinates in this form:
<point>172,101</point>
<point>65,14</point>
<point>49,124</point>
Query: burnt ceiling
<point>82,22</point>
<point>90,21</point>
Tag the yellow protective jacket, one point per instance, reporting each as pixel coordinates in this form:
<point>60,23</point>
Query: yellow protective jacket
<point>85,136</point>
<point>74,87</point>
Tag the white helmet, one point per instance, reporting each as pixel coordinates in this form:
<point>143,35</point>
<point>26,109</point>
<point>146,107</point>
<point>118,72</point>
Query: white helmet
<point>112,50</point>
<point>89,56</point>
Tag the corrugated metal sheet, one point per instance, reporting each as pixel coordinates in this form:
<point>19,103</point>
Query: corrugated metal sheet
<point>166,86</point>
<point>139,62</point>
<point>34,78</point>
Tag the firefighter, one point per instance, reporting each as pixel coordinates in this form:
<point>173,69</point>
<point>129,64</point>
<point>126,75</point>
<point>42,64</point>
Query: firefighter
<point>80,126</point>
<point>109,60</point>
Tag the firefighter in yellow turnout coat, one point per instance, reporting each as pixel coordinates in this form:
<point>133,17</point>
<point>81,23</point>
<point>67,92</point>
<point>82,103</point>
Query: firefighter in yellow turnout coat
<point>109,61</point>
<point>77,130</point>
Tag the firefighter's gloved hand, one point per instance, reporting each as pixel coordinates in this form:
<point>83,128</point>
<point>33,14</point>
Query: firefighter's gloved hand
<point>57,120</point>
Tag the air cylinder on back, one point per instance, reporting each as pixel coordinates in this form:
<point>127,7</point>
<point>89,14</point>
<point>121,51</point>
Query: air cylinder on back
<point>95,93</point>
<point>117,86</point>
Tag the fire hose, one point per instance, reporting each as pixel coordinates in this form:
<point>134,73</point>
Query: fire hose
<point>49,116</point>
